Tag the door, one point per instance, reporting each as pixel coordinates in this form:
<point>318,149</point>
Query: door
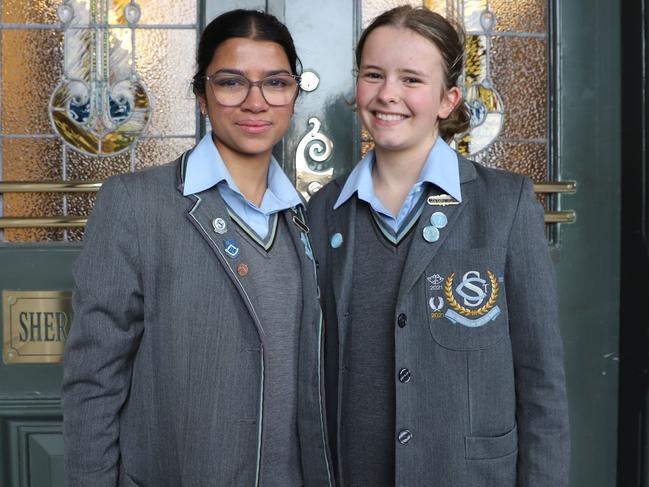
<point>550,70</point>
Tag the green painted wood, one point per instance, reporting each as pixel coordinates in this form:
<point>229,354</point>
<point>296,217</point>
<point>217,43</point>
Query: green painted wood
<point>588,269</point>
<point>20,418</point>
<point>46,460</point>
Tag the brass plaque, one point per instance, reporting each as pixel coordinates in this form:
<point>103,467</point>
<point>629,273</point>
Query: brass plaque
<point>35,325</point>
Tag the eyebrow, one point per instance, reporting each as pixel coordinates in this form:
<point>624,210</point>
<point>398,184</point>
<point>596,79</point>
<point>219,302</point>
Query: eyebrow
<point>405,70</point>
<point>241,73</point>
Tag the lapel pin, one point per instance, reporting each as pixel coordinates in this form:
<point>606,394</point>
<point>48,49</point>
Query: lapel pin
<point>441,200</point>
<point>431,234</point>
<point>242,269</point>
<point>231,248</point>
<point>219,225</point>
<point>336,240</point>
<point>438,219</point>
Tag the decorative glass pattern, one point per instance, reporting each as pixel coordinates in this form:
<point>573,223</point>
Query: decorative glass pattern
<point>505,82</point>
<point>101,106</point>
<point>88,78</point>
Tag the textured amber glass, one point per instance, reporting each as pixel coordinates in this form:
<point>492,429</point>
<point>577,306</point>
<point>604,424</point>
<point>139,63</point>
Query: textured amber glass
<point>166,62</point>
<point>154,151</point>
<point>31,68</point>
<point>29,12</point>
<point>522,85</point>
<point>163,11</point>
<point>86,168</point>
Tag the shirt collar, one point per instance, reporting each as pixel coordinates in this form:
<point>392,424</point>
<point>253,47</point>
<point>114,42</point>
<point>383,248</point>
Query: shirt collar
<point>205,169</point>
<point>441,168</point>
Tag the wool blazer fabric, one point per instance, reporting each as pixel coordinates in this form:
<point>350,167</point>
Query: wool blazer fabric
<point>486,405</point>
<point>164,366</point>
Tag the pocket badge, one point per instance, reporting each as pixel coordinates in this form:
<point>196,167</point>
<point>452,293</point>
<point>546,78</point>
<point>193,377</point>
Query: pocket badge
<point>472,303</point>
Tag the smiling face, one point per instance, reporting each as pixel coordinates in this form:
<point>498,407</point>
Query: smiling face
<point>254,127</point>
<point>400,91</point>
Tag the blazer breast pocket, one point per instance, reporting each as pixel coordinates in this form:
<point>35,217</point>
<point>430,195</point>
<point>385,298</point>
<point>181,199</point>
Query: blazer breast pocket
<point>465,298</point>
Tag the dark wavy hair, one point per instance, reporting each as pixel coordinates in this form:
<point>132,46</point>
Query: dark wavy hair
<point>448,37</point>
<point>248,24</point>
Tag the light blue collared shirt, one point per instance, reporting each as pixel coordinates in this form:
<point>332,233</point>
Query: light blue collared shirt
<point>205,169</point>
<point>441,168</point>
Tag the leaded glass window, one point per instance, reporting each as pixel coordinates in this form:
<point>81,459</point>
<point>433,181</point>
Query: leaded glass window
<point>90,88</point>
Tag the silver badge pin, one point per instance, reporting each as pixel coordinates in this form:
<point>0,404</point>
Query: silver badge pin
<point>438,219</point>
<point>336,240</point>
<point>441,200</point>
<point>431,234</point>
<point>219,225</point>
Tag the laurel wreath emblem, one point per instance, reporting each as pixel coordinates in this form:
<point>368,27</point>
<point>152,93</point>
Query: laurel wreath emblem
<point>452,302</point>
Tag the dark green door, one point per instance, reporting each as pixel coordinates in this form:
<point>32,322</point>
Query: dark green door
<point>555,69</point>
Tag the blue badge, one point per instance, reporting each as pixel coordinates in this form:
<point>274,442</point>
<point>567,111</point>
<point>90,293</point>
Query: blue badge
<point>431,234</point>
<point>231,248</point>
<point>438,219</point>
<point>336,240</point>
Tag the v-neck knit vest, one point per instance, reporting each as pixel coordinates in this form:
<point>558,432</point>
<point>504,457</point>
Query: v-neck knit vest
<point>274,283</point>
<point>368,403</point>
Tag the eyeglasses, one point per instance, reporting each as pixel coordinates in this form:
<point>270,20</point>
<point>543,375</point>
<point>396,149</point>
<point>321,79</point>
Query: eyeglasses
<point>231,90</point>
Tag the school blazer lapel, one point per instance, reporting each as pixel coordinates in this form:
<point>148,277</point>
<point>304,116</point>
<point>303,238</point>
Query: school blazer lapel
<point>422,252</point>
<point>299,231</point>
<point>343,221</point>
<point>208,205</point>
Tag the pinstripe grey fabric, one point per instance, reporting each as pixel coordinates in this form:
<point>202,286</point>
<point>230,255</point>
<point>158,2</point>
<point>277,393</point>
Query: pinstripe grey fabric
<point>163,379</point>
<point>486,405</point>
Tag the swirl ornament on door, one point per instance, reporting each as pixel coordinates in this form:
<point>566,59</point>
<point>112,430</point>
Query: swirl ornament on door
<point>101,106</point>
<point>313,173</point>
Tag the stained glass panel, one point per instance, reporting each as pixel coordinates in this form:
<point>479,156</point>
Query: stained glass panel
<point>146,70</point>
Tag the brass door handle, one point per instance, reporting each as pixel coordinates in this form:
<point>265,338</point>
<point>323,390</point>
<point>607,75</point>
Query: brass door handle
<point>553,187</point>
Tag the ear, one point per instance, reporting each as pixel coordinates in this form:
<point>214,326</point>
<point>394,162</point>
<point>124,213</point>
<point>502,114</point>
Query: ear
<point>450,99</point>
<point>202,103</point>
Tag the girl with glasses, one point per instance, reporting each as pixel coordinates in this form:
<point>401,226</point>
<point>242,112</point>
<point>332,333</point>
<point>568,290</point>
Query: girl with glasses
<point>194,357</point>
<point>443,353</point>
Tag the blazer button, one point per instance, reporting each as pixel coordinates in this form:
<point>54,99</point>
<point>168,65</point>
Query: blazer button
<point>404,376</point>
<point>402,320</point>
<point>404,436</point>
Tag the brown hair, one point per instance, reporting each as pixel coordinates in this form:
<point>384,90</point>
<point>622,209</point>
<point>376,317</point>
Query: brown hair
<point>448,38</point>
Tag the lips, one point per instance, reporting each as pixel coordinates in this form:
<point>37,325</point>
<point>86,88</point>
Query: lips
<point>254,126</point>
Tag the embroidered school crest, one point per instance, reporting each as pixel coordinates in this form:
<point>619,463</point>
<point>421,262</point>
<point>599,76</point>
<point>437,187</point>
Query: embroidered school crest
<point>472,302</point>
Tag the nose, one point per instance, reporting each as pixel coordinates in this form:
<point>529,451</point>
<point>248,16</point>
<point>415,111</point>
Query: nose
<point>389,91</point>
<point>255,101</point>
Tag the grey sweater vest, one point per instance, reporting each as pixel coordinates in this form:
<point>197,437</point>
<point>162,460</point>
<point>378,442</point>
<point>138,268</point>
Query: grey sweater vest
<point>368,403</point>
<point>274,283</point>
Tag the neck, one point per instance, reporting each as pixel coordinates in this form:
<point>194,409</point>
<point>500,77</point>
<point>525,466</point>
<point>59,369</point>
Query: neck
<point>395,173</point>
<point>249,172</point>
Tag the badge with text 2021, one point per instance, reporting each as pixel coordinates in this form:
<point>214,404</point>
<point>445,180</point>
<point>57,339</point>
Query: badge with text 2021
<point>35,325</point>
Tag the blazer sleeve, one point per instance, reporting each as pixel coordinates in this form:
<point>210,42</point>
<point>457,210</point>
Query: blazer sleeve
<point>107,326</point>
<point>541,404</point>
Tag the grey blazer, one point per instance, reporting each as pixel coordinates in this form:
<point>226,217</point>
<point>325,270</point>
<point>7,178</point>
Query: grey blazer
<point>164,366</point>
<point>486,404</point>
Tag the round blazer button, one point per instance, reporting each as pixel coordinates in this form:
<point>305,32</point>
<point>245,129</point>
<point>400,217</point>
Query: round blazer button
<point>402,320</point>
<point>405,436</point>
<point>404,376</point>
